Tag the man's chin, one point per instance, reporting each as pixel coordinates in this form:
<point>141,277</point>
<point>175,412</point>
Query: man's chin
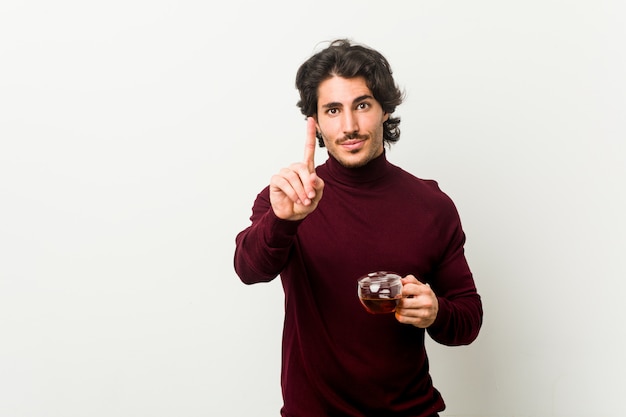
<point>353,160</point>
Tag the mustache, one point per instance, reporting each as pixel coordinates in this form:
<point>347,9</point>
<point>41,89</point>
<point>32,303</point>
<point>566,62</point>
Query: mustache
<point>352,136</point>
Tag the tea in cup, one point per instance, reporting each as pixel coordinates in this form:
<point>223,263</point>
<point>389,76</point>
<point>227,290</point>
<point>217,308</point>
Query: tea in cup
<point>380,291</point>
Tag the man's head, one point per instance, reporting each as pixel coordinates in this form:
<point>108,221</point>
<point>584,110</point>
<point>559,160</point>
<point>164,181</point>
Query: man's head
<point>346,60</point>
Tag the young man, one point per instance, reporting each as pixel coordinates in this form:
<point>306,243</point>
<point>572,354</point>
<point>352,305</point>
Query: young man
<point>321,228</point>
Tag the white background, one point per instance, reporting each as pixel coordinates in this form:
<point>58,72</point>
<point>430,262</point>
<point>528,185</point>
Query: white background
<point>136,134</point>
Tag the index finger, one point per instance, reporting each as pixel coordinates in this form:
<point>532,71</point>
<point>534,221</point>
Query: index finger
<point>309,144</point>
<point>410,279</point>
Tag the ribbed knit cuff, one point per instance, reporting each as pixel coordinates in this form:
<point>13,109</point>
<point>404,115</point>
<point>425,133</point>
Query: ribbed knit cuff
<point>279,233</point>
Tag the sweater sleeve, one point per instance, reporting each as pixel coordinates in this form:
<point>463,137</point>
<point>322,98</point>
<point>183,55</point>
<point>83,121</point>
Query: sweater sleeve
<point>460,313</point>
<point>262,249</point>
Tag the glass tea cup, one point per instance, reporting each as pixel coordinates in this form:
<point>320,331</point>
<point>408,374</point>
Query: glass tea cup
<point>380,291</point>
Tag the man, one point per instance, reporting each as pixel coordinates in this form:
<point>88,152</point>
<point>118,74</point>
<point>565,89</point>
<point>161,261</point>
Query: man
<point>321,228</point>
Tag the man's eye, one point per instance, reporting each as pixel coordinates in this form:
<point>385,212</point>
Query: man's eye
<point>333,111</point>
<point>362,106</point>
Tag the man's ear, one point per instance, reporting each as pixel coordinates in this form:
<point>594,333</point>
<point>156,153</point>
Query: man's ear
<point>318,131</point>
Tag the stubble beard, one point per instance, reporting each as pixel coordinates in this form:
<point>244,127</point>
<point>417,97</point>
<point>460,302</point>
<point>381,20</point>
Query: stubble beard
<point>369,155</point>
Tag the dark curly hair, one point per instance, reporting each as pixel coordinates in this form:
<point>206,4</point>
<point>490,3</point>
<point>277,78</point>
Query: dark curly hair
<point>345,59</point>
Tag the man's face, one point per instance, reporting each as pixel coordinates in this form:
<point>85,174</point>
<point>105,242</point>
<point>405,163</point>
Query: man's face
<point>350,120</point>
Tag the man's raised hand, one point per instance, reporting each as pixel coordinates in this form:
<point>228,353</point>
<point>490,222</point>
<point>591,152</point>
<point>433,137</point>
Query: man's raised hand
<point>296,190</point>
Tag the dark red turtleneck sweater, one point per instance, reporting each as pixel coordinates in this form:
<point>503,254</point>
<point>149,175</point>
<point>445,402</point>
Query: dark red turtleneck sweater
<point>339,360</point>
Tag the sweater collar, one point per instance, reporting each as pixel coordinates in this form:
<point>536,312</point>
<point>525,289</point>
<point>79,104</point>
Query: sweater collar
<point>376,169</point>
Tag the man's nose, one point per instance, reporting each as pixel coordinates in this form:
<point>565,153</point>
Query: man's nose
<point>350,124</point>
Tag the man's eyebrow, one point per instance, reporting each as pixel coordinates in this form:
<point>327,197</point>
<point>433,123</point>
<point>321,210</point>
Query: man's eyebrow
<point>362,98</point>
<point>336,104</point>
<point>332,105</point>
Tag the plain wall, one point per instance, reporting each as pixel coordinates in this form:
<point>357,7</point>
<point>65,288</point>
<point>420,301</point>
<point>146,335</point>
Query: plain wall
<point>135,135</point>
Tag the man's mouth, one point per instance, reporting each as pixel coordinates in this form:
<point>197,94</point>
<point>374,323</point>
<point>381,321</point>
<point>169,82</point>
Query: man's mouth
<point>353,145</point>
